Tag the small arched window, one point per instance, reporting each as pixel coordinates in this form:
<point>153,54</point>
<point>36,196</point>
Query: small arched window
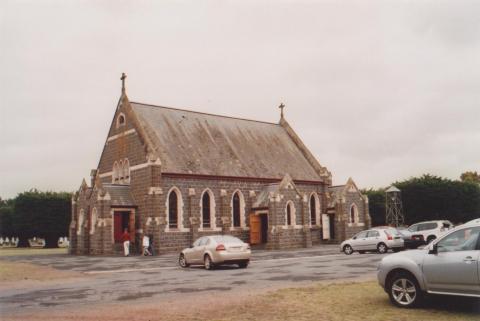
<point>313,210</point>
<point>353,214</point>
<point>236,210</point>
<point>121,120</point>
<point>173,209</point>
<point>289,214</point>
<point>206,210</point>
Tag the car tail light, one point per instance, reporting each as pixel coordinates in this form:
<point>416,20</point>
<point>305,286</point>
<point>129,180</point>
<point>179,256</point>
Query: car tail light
<point>389,237</point>
<point>220,247</point>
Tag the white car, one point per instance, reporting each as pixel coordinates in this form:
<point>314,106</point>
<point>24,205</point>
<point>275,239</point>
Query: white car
<point>215,250</point>
<point>376,239</point>
<point>426,232</point>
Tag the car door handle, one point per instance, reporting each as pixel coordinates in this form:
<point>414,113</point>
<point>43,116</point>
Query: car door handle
<point>469,259</point>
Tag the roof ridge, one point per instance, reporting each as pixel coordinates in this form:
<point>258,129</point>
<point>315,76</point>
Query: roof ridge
<point>202,113</point>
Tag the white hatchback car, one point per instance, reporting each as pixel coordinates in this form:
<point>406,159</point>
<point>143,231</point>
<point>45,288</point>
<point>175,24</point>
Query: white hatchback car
<point>376,239</point>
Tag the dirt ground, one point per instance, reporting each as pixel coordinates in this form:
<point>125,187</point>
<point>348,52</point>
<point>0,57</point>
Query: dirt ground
<point>13,272</point>
<point>347,301</point>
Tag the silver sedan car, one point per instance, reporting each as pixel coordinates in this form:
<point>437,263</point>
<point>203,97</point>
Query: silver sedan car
<point>448,266</point>
<point>215,250</point>
<point>376,239</point>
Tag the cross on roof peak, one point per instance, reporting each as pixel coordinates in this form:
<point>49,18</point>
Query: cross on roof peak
<point>282,105</point>
<point>124,76</point>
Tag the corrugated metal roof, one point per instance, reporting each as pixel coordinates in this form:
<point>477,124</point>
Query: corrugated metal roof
<point>198,143</point>
<point>392,189</point>
<point>120,194</point>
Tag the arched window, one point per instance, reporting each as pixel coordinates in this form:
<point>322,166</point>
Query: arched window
<point>120,172</point>
<point>115,174</point>
<point>236,210</point>
<point>126,171</point>
<point>353,214</point>
<point>290,214</point>
<point>93,220</point>
<point>206,210</point>
<point>121,120</point>
<point>81,220</point>
<point>313,210</point>
<point>173,209</point>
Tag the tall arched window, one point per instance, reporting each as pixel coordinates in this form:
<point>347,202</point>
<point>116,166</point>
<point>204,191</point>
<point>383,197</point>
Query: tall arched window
<point>313,210</point>
<point>353,214</point>
<point>126,171</point>
<point>206,210</point>
<point>120,172</point>
<point>93,220</point>
<point>236,210</point>
<point>115,174</point>
<point>81,221</point>
<point>173,209</point>
<point>290,214</point>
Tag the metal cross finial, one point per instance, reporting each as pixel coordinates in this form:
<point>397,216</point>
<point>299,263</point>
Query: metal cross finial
<point>282,105</point>
<point>123,81</point>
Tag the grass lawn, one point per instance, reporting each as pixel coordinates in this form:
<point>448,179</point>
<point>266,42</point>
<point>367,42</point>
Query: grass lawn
<point>29,251</point>
<point>346,302</point>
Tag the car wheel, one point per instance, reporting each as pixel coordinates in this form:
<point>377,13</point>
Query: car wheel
<point>382,248</point>
<point>208,262</point>
<point>182,261</point>
<point>404,291</point>
<point>347,249</point>
<point>430,238</point>
<point>243,265</point>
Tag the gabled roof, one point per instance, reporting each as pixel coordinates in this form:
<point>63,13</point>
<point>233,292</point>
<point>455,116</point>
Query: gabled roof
<point>120,194</point>
<point>272,190</point>
<point>198,143</point>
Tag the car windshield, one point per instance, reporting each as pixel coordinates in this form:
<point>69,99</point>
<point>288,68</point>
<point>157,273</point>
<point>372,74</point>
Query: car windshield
<point>226,239</point>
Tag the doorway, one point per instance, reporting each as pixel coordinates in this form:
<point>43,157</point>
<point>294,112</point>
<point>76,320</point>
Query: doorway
<point>121,221</point>
<point>258,228</point>
<point>264,228</point>
<point>332,226</point>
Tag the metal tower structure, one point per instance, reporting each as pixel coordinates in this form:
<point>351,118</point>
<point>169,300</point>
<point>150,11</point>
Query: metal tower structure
<point>394,207</point>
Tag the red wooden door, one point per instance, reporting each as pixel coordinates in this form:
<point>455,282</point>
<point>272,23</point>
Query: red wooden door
<point>117,227</point>
<point>255,229</point>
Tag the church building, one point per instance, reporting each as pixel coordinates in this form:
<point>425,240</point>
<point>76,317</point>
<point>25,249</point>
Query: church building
<point>178,175</point>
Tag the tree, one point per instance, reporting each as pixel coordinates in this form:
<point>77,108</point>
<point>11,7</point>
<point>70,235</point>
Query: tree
<point>472,177</point>
<point>376,205</point>
<point>42,214</point>
<point>431,198</point>
<point>6,218</point>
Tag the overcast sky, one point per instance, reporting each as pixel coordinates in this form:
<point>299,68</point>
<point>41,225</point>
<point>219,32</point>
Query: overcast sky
<point>378,90</point>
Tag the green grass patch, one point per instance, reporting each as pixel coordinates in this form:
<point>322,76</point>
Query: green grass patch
<point>29,251</point>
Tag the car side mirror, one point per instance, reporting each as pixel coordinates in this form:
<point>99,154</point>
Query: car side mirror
<point>354,238</point>
<point>191,246</point>
<point>434,249</point>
